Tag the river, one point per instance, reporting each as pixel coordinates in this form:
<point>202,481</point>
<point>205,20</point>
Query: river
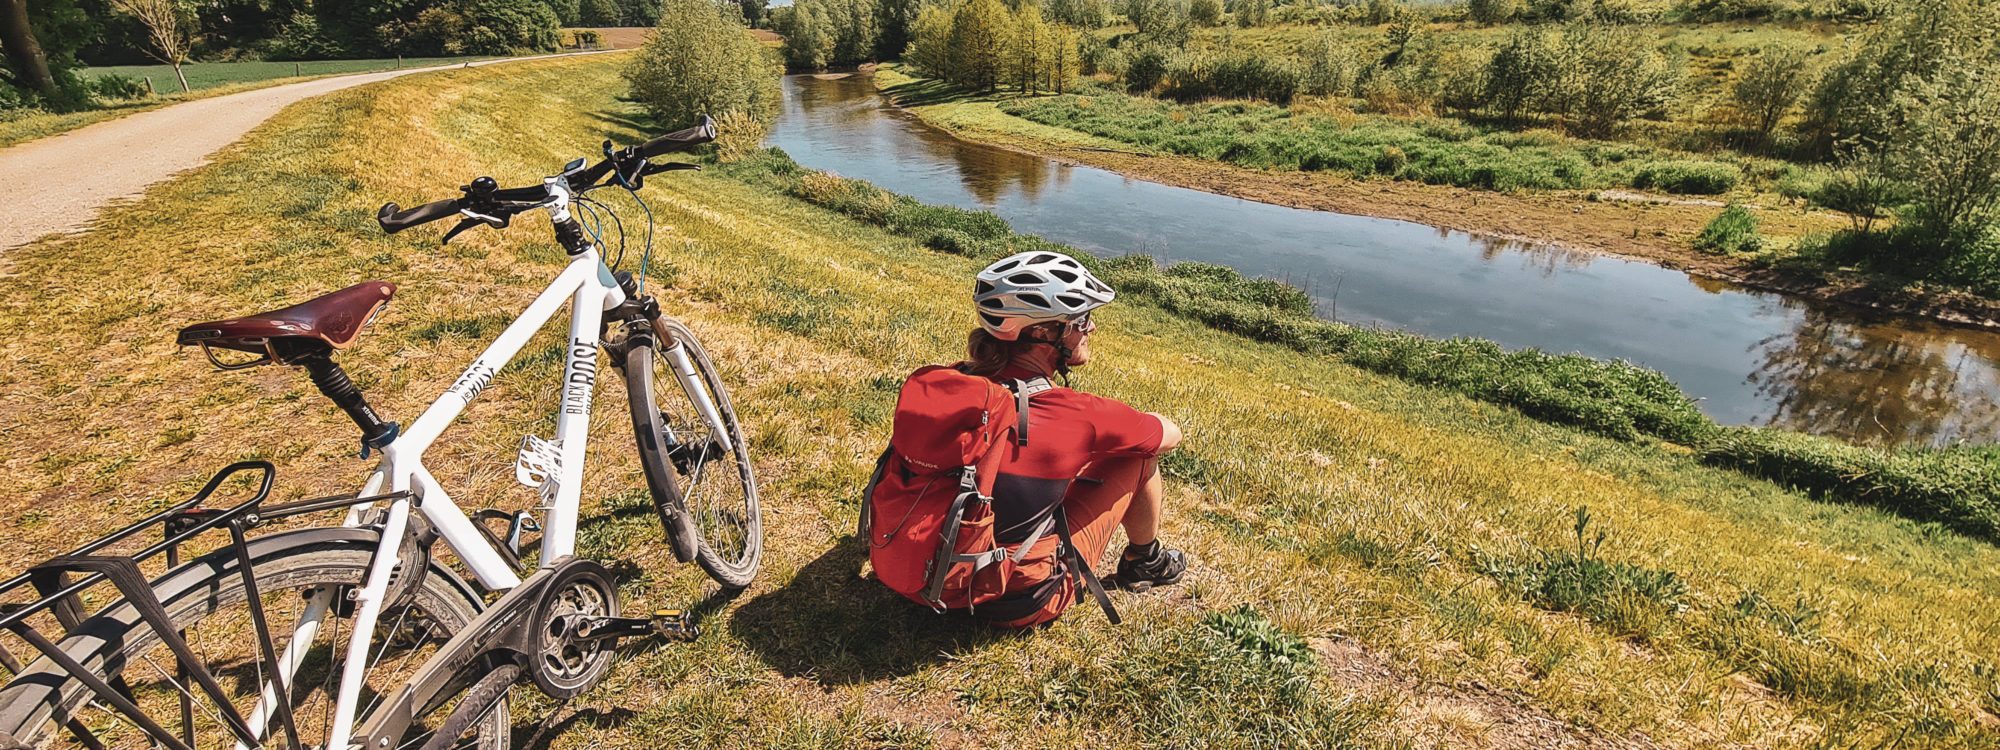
<point>1748,356</point>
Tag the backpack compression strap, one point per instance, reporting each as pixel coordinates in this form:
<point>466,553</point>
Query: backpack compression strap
<point>868,495</point>
<point>1081,567</point>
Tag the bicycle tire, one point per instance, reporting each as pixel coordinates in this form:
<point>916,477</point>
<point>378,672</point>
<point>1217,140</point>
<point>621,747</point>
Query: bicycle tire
<point>743,531</point>
<point>113,640</point>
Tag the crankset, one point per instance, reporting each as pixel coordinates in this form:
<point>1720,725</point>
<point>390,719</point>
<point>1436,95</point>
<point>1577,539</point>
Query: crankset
<point>561,625</point>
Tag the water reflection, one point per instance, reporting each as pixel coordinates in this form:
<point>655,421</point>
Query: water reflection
<point>1895,382</point>
<point>1750,357</point>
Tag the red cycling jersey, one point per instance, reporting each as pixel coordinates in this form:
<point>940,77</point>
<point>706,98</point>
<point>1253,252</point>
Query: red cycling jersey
<point>1067,429</point>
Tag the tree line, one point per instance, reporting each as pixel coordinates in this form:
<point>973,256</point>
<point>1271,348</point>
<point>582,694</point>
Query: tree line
<point>46,41</point>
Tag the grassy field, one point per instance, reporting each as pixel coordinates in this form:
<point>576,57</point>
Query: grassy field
<point>210,75</point>
<point>1379,564</point>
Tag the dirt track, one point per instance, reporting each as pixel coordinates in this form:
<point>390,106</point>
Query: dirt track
<point>60,183</point>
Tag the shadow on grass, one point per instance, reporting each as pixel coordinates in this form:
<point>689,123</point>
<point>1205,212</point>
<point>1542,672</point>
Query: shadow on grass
<point>928,91</point>
<point>542,734</point>
<point>834,626</point>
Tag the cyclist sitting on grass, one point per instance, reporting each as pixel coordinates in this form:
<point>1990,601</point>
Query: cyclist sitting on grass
<point>1093,456</point>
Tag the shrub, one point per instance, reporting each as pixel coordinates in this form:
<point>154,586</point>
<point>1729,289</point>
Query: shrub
<point>1241,75</point>
<point>1688,177</point>
<point>1493,11</point>
<point>1205,12</point>
<point>1146,66</point>
<point>303,38</point>
<point>1732,231</point>
<point>701,61</point>
<point>115,86</point>
<point>1328,67</point>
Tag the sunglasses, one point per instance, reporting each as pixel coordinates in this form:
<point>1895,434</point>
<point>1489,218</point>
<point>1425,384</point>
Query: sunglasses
<point>1083,324</point>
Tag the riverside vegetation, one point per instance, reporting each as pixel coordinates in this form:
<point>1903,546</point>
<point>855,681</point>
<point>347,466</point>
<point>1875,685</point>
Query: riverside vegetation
<point>1381,563</point>
<point>1875,112</point>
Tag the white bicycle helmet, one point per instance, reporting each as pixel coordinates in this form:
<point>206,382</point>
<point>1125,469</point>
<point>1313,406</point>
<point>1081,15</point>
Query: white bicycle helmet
<point>1035,287</point>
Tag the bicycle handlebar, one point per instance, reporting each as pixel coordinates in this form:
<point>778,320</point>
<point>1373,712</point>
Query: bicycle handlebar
<point>484,198</point>
<point>680,140</point>
<point>395,219</point>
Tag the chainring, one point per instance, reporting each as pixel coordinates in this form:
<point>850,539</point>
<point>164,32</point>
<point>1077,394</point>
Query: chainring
<point>561,665</point>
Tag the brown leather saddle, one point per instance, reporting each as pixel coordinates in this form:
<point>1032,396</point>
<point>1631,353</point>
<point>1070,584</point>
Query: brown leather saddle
<point>330,321</point>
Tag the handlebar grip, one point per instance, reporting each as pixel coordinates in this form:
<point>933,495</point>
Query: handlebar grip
<point>394,220</point>
<point>680,140</point>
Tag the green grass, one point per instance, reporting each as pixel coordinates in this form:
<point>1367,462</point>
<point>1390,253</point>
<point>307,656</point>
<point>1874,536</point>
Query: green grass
<point>210,75</point>
<point>1326,505</point>
<point>1436,151</point>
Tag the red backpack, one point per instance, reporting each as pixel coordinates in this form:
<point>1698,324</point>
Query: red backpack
<point>927,513</point>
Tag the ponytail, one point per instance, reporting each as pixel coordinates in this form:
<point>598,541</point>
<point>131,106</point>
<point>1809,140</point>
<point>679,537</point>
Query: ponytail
<point>986,356</point>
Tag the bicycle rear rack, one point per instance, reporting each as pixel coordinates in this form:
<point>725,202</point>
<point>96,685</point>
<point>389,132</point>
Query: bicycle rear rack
<point>61,597</point>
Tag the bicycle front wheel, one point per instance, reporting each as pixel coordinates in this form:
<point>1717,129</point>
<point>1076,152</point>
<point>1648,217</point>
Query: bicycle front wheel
<point>301,578</point>
<point>696,460</point>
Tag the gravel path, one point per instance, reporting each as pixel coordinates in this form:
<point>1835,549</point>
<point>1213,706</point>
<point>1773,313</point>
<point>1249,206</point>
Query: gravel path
<point>60,183</point>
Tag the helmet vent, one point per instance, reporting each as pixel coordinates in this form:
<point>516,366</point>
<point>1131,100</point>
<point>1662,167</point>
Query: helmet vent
<point>1067,277</point>
<point>990,303</point>
<point>1024,278</point>
<point>1071,300</point>
<point>1033,299</point>
<point>993,320</point>
<point>982,288</point>
<point>1040,259</point>
<point>1004,267</point>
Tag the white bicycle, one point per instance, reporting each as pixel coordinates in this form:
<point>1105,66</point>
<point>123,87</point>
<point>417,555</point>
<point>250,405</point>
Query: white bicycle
<point>356,636</point>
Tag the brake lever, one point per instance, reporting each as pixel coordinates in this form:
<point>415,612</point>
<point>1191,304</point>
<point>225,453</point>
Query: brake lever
<point>463,224</point>
<point>672,166</point>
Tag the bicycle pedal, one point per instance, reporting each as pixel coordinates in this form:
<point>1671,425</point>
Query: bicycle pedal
<point>675,624</point>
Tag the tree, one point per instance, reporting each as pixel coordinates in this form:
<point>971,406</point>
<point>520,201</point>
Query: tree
<point>1205,12</point>
<point>930,42</point>
<point>1947,149</point>
<point>1517,74</point>
<point>893,19</point>
<point>1026,38</point>
<point>567,11</point>
<point>24,50</point>
<point>978,43</point>
<point>1605,75</point>
<point>1493,12</point>
<point>1162,21</point>
<point>1328,68</point>
<point>1083,14</point>
<point>1252,13</point>
<point>1772,82</point>
<point>1852,105</point>
<point>701,60</point>
<point>1064,58</point>
<point>808,40</point>
<point>167,30</point>
<point>754,12</point>
<point>599,13</point>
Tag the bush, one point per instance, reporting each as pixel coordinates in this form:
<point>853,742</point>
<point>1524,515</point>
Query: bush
<point>479,27</point>
<point>1241,75</point>
<point>1492,12</point>
<point>303,38</point>
<point>1688,177</point>
<point>701,61</point>
<point>115,86</point>
<point>1146,66</point>
<point>1732,231</point>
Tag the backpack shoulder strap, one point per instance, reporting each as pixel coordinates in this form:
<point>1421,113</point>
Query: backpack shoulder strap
<point>1023,390</point>
<point>1081,567</point>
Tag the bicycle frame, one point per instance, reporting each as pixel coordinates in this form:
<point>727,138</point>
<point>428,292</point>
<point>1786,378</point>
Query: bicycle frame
<point>590,289</point>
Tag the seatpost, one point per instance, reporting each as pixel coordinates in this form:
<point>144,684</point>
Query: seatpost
<point>333,381</point>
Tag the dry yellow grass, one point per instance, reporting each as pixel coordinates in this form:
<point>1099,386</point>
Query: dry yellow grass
<point>1357,513</point>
